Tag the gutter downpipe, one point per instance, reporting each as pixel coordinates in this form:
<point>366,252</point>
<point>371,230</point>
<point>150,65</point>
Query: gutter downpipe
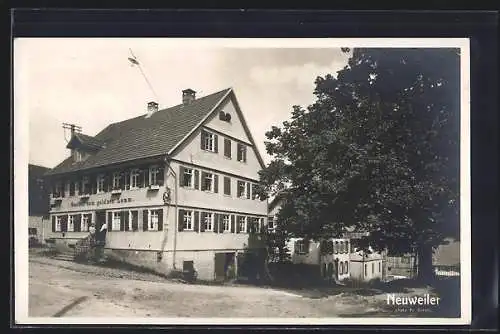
<point>176,214</point>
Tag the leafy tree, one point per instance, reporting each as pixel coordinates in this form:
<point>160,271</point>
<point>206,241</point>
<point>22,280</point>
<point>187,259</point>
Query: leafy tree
<point>377,151</point>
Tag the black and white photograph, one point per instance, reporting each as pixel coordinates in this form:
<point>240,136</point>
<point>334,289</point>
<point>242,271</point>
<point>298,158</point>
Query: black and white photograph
<point>242,181</point>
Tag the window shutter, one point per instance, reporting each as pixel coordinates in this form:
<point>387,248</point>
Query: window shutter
<point>202,221</point>
<point>202,136</point>
<point>203,175</point>
<point>107,184</point>
<point>244,153</point>
<point>110,221</point>
<point>238,224</point>
<point>196,179</point>
<point>144,177</point>
<point>126,220</point>
<point>180,222</point>
<point>181,176</point>
<point>122,220</point>
<point>232,223</point>
<point>330,247</point>
<point>135,220</point>
<point>238,152</point>
<point>77,223</point>
<point>216,183</point>
<point>160,178</point>
<point>64,223</point>
<point>160,220</point>
<point>227,147</point>
<point>197,221</point>
<point>145,220</point>
<point>216,223</point>
<point>53,223</point>
<point>227,185</point>
<point>90,219</point>
<point>248,189</point>
<point>216,143</point>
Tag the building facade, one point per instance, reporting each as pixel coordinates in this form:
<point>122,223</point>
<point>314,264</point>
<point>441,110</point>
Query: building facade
<point>175,187</point>
<point>38,204</point>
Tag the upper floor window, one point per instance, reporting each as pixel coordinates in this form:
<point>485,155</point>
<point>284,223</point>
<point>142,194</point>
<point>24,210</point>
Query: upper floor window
<point>208,181</point>
<point>77,155</point>
<point>117,180</point>
<point>208,141</point>
<point>153,175</point>
<point>226,223</point>
<point>227,185</point>
<point>242,224</point>
<point>208,221</point>
<point>126,180</point>
<point>254,192</point>
<point>188,178</point>
<point>100,183</point>
<point>59,189</point>
<point>85,185</point>
<point>134,178</point>
<point>188,220</point>
<point>242,152</point>
<point>227,148</point>
<point>243,189</point>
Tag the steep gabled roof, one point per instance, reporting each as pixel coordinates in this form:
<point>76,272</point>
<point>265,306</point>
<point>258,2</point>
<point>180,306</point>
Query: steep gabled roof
<point>142,137</point>
<point>80,139</point>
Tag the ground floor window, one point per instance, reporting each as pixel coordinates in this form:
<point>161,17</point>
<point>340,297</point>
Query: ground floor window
<point>85,222</point>
<point>71,223</point>
<point>153,220</point>
<point>188,220</point>
<point>116,221</point>
<point>58,226</point>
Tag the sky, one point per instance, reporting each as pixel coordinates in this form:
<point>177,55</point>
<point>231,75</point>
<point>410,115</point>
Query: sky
<point>91,83</point>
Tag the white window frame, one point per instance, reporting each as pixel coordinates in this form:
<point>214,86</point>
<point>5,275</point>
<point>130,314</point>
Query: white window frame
<point>130,229</point>
<point>244,194</point>
<point>245,224</point>
<point>58,227</point>
<point>269,222</point>
<point>134,176</point>
<point>209,141</point>
<point>190,172</point>
<point>100,184</point>
<point>153,225</point>
<point>209,220</point>
<point>116,222</point>
<point>243,156</point>
<point>188,220</point>
<point>301,245</point>
<point>226,223</point>
<point>78,156</point>
<point>116,180</point>
<point>71,223</point>
<point>84,222</point>
<point>153,175</point>
<point>212,181</point>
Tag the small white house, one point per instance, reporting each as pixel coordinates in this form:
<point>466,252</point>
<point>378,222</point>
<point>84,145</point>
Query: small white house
<point>366,267</point>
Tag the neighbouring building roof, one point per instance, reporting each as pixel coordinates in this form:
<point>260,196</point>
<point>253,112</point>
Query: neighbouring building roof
<point>142,137</point>
<point>38,195</point>
<point>85,140</point>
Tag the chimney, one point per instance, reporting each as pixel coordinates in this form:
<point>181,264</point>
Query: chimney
<point>152,108</point>
<point>188,96</point>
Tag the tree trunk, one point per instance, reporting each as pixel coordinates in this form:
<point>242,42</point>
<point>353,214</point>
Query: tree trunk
<point>425,268</point>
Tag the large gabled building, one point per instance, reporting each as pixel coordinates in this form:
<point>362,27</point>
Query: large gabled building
<point>175,186</point>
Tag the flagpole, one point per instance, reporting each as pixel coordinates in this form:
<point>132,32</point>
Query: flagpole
<point>134,61</point>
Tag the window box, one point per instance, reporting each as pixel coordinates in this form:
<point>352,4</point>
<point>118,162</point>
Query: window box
<point>116,191</point>
<point>154,187</point>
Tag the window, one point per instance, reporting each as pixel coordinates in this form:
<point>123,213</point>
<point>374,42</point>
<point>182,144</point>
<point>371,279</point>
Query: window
<point>270,223</point>
<point>188,178</point>
<point>226,223</point>
<point>71,188</point>
<point>32,230</point>
<point>58,223</point>
<point>59,189</point>
<point>71,223</point>
<point>100,183</point>
<point>153,220</point>
<point>242,152</point>
<point>116,180</point>
<point>254,192</point>
<point>208,181</point>
<point>301,247</point>
<point>227,148</point>
<point>126,180</point>
<point>336,249</point>
<point>153,175</point>
<point>77,155</point>
<point>188,220</point>
<point>373,268</point>
<point>85,222</point>
<point>242,224</point>
<point>116,223</point>
<point>242,189</point>
<point>75,187</point>
<point>208,141</point>
<point>341,268</point>
<point>209,221</point>
<point>85,185</point>
<point>341,247</point>
<point>227,186</point>
<point>346,267</point>
<point>134,179</point>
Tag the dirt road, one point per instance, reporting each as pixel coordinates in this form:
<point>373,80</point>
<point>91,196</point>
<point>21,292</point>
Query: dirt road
<point>58,288</point>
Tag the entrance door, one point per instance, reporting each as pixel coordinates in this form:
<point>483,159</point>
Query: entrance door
<point>220,264</point>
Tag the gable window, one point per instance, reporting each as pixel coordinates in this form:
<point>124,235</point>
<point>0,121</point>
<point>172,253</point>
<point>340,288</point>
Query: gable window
<point>226,223</point>
<point>227,185</point>
<point>242,152</point>
<point>77,155</point>
<point>85,185</point>
<point>227,148</point>
<point>58,226</point>
<point>134,179</point>
<point>242,189</point>
<point>100,183</point>
<point>153,175</point>
<point>71,223</point>
<point>153,220</point>
<point>188,178</point>
<point>116,222</point>
<point>116,180</point>
<point>188,220</point>
<point>242,224</point>
<point>208,221</point>
<point>207,181</point>
<point>208,141</point>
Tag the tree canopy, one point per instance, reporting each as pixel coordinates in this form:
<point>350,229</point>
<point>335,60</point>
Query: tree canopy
<point>377,151</point>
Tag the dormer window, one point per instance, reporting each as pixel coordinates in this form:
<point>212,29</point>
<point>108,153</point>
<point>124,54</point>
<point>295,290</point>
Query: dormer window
<point>77,155</point>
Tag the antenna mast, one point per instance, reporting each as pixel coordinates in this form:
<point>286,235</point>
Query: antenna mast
<point>134,62</point>
<point>73,128</point>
